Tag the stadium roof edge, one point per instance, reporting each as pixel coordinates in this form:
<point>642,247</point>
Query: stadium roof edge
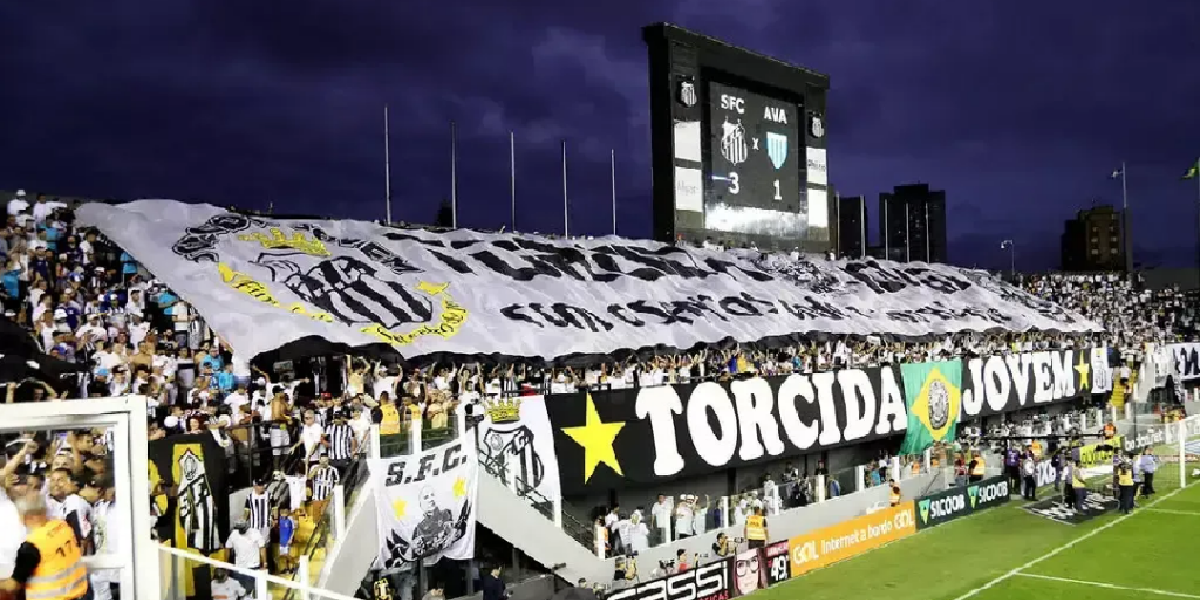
<point>674,32</point>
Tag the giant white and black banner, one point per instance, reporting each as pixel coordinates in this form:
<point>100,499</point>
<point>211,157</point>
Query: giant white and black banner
<point>261,283</point>
<point>611,439</point>
<point>1186,359</point>
<point>426,504</point>
<point>516,436</point>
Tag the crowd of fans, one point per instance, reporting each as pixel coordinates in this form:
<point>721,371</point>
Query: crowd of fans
<point>89,303</point>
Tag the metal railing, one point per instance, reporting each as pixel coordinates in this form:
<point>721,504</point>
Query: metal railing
<point>572,525</point>
<point>356,474</point>
<point>400,444</point>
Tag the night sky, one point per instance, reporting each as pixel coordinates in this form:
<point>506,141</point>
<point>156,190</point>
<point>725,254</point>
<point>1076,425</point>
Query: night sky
<point>1020,110</point>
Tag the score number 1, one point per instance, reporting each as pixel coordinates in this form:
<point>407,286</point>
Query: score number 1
<point>735,187</point>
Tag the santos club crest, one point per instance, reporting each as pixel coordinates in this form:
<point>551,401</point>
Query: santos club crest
<point>687,93</point>
<point>340,281</point>
<point>733,142</point>
<point>816,127</point>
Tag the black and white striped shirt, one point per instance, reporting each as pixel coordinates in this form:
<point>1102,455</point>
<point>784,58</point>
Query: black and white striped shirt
<point>259,507</point>
<point>341,441</point>
<point>324,478</point>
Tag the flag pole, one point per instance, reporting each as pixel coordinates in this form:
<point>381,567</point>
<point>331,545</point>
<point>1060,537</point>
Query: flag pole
<point>887,255</point>
<point>566,204</point>
<point>512,179</point>
<point>453,175</point>
<point>1197,178</point>
<point>612,177</point>
<point>928,248</point>
<point>907,245</point>
<point>862,227</point>
<point>387,166</point>
<point>1125,237</point>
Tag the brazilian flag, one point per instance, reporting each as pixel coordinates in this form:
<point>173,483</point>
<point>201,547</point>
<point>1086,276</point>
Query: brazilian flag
<point>932,394</point>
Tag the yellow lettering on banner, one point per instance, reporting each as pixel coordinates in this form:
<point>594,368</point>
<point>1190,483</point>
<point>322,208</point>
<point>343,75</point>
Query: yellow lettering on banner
<point>843,540</point>
<point>276,240</point>
<point>449,323</point>
<point>259,291</point>
<point>451,320</point>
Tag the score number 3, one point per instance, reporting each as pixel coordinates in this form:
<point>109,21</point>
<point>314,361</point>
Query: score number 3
<point>735,186</point>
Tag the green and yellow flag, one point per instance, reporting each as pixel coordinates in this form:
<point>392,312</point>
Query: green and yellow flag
<point>1193,171</point>
<point>932,394</point>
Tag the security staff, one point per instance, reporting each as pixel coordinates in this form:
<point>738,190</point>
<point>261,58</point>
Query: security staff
<point>977,468</point>
<point>756,529</point>
<point>895,496</point>
<point>49,564</point>
<point>389,416</point>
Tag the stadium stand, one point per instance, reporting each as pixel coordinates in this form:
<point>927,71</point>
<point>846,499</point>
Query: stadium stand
<point>87,302</point>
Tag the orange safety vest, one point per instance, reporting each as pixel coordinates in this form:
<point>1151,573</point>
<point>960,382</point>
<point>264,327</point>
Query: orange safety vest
<point>756,528</point>
<point>60,574</point>
<point>389,423</point>
<point>895,496</point>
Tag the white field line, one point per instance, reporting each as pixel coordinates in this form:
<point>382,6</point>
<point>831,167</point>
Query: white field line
<point>1110,586</point>
<point>1066,546</point>
<point>1173,512</point>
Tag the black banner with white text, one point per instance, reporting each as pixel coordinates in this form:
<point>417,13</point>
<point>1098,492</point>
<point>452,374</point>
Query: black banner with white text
<point>618,438</point>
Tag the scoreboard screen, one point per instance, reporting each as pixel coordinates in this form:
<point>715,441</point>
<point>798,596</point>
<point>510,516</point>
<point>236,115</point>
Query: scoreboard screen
<point>739,145</point>
<point>754,170</point>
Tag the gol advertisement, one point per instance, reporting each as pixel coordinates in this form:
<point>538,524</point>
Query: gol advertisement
<point>826,546</point>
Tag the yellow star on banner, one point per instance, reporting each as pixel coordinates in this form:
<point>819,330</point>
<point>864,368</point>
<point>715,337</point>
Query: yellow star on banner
<point>597,439</point>
<point>460,487</point>
<point>1083,368</point>
<point>398,508</point>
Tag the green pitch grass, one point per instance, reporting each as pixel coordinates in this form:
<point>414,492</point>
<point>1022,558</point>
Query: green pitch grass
<point>1008,554</point>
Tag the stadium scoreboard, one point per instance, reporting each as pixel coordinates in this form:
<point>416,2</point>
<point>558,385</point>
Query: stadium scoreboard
<point>738,145</point>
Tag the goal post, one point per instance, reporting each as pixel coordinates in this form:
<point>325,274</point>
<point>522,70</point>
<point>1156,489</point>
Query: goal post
<point>1183,437</point>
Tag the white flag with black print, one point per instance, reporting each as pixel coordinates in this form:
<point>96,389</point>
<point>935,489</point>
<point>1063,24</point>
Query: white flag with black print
<point>426,505</point>
<point>519,442</point>
<point>334,286</point>
<point>1102,376</point>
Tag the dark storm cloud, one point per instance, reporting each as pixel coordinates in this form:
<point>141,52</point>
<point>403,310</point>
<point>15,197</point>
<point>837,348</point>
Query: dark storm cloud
<point>1018,109</point>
